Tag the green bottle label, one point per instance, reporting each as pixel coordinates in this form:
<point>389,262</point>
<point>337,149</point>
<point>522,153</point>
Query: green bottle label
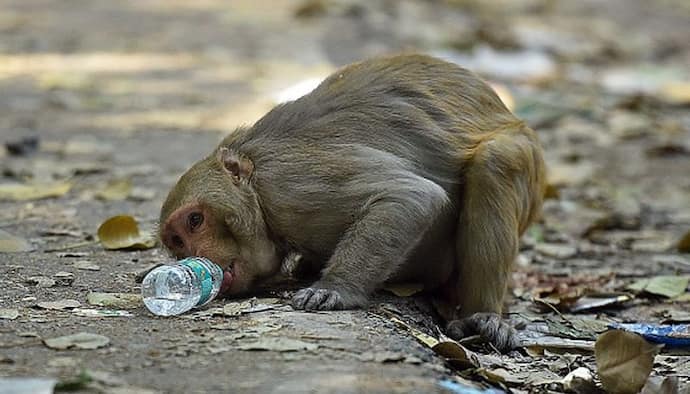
<point>205,277</point>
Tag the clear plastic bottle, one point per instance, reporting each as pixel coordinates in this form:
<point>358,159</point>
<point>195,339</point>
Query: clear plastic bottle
<point>174,289</point>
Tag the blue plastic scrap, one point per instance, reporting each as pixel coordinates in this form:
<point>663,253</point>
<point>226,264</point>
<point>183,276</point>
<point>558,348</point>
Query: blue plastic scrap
<point>672,335</point>
<point>458,388</point>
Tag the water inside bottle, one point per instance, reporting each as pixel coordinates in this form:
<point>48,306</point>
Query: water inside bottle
<point>173,290</point>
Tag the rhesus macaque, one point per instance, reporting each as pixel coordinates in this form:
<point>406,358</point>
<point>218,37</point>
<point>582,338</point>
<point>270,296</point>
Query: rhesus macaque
<point>403,168</point>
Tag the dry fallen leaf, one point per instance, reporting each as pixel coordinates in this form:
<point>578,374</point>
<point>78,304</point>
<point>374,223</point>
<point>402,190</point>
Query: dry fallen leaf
<point>456,354</point>
<point>115,300</point>
<point>669,286</point>
<point>502,376</point>
<point>12,244</point>
<point>82,340</point>
<point>59,305</point>
<point>116,190</point>
<point>122,232</point>
<point>624,361</point>
<point>37,191</point>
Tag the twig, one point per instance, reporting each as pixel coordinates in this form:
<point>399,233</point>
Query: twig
<point>553,308</point>
<point>471,340</point>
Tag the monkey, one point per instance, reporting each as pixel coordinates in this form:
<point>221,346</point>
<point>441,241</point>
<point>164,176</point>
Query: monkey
<point>397,168</point>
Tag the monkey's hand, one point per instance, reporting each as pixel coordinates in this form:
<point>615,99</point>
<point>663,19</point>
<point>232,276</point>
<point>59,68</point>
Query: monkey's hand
<point>322,297</point>
<point>489,326</point>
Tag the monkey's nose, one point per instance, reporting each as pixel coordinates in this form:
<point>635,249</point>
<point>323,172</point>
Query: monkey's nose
<point>175,242</point>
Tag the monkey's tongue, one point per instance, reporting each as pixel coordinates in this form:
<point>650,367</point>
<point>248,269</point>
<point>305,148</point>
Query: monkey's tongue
<point>227,280</point>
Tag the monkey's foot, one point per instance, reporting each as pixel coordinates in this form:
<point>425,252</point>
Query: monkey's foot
<point>315,299</point>
<point>489,326</point>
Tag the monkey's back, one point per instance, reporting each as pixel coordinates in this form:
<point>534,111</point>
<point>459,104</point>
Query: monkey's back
<point>321,158</point>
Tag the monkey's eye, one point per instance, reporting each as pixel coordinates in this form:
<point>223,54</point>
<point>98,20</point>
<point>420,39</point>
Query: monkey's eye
<point>194,220</point>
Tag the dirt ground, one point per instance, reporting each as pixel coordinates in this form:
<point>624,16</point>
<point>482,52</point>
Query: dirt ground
<point>136,91</point>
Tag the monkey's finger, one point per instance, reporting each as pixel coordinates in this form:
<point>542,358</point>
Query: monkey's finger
<point>332,301</point>
<point>501,334</point>
<point>315,301</point>
<point>300,299</point>
<point>489,326</point>
<point>457,329</point>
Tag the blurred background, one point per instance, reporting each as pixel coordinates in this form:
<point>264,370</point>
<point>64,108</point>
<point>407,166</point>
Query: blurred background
<point>103,104</point>
<point>153,85</point>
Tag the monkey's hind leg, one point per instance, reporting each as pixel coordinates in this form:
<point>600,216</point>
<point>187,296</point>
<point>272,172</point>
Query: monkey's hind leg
<point>503,189</point>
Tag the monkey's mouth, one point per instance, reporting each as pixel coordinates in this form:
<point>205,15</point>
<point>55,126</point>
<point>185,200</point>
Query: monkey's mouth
<point>227,280</point>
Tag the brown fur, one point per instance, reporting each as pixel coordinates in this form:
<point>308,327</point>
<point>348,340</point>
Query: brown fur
<point>396,168</point>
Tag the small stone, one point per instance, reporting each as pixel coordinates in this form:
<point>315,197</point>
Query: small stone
<point>40,281</point>
<point>8,313</point>
<point>64,278</point>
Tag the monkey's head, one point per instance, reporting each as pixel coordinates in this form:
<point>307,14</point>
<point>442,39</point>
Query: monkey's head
<point>213,212</point>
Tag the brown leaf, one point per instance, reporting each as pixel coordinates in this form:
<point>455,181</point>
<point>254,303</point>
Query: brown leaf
<point>456,354</point>
<point>624,361</point>
<point>122,232</point>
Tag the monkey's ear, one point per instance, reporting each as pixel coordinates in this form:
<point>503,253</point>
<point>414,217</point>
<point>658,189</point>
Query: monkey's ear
<point>238,166</point>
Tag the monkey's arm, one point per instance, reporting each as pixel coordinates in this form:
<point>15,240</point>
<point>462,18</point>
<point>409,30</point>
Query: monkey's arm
<point>391,223</point>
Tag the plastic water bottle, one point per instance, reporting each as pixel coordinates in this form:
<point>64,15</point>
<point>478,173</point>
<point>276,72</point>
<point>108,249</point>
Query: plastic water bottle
<point>173,289</point>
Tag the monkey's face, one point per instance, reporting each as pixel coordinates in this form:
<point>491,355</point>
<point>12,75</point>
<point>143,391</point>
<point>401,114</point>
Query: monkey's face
<point>213,212</point>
